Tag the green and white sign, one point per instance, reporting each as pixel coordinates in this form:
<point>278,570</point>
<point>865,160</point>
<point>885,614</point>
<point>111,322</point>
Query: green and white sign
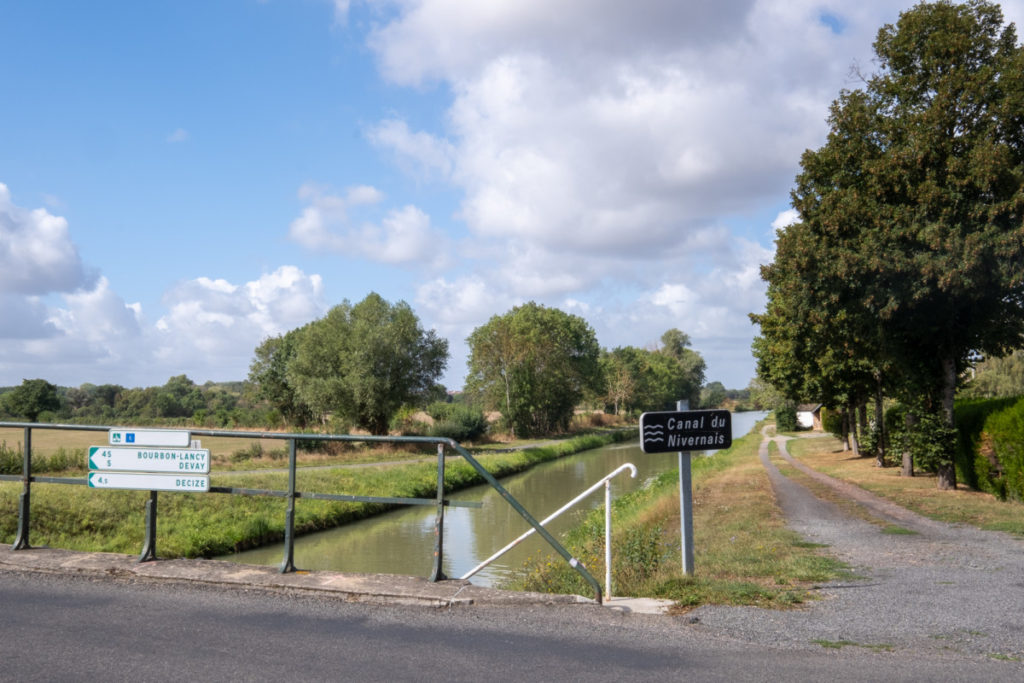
<point>170,438</point>
<point>149,482</point>
<point>150,459</point>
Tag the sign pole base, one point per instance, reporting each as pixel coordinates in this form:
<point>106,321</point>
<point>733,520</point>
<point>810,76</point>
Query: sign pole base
<point>149,546</point>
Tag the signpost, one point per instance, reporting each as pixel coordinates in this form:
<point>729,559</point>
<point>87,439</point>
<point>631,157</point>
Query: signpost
<point>682,431</point>
<point>685,430</point>
<point>149,482</point>
<point>172,438</point>
<point>149,459</point>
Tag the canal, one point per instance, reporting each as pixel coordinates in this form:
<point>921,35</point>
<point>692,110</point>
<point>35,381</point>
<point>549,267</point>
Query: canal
<point>402,541</point>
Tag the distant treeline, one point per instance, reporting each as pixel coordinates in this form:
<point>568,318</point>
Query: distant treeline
<point>179,401</point>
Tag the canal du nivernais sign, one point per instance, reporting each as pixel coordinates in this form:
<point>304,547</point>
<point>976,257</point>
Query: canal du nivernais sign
<point>687,430</point>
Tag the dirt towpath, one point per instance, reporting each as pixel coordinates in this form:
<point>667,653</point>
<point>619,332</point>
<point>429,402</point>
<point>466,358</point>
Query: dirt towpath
<point>947,589</point>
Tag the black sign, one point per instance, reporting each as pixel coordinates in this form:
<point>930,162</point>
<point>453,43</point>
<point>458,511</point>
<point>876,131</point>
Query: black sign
<point>690,430</point>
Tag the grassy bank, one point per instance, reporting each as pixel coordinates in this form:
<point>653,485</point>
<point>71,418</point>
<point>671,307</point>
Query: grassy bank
<point>743,552</point>
<point>919,493</point>
<point>194,525</point>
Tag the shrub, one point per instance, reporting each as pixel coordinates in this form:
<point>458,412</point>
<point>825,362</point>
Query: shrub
<point>832,423</point>
<point>461,424</point>
<point>785,419</point>
<point>1001,453</point>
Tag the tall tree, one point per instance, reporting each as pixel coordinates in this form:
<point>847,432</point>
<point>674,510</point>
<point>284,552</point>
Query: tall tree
<point>364,362</point>
<point>268,373</point>
<point>533,363</point>
<point>32,398</point>
<point>915,205</point>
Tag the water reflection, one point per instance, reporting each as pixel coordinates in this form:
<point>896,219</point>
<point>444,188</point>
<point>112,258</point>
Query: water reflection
<point>402,541</point>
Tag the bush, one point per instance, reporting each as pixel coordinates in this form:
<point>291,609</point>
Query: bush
<point>404,423</point>
<point>832,423</point>
<point>461,424</point>
<point>1000,453</point>
<point>785,419</point>
<point>977,469</point>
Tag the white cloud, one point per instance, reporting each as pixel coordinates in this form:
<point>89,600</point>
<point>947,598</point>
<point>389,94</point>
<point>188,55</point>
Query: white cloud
<point>598,122</point>
<point>98,315</point>
<point>598,148</point>
<point>341,8</point>
<point>421,153</point>
<point>212,325</point>
<point>59,324</point>
<point>24,317</point>
<point>403,236</point>
<point>179,135</point>
<point>785,219</point>
<point>37,255</point>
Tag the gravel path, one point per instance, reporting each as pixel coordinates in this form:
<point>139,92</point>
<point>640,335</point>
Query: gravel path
<point>946,589</point>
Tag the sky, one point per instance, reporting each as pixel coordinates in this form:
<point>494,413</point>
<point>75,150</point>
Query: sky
<point>180,180</point>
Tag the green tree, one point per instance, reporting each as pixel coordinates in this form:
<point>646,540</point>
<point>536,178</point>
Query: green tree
<point>268,373</point>
<point>621,377</point>
<point>363,362</point>
<point>997,377</point>
<point>914,210</point>
<point>713,395</point>
<point>31,398</point>
<point>533,363</point>
<point>641,379</point>
<point>687,376</point>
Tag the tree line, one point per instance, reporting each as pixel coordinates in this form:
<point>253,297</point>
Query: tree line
<point>907,261</point>
<point>361,364</point>
<point>220,404</point>
<point>372,366</point>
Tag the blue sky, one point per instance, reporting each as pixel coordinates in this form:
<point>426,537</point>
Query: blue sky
<point>179,180</point>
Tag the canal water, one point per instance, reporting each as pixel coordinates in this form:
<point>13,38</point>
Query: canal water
<point>402,541</point>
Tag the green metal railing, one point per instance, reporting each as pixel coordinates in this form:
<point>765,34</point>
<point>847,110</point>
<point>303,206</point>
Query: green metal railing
<point>21,541</point>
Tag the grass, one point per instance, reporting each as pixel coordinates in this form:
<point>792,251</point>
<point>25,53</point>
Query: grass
<point>918,493</point>
<point>202,525</point>
<point>743,553</point>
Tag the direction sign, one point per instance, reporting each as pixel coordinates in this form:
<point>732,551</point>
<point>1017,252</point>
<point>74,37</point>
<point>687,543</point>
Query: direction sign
<point>172,438</point>
<point>690,430</point>
<point>179,460</point>
<point>149,482</point>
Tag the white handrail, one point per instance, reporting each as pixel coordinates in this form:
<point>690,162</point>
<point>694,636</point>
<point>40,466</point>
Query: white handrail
<point>555,514</point>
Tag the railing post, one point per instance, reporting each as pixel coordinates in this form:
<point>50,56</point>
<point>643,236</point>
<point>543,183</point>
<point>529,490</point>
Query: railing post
<point>24,501</point>
<point>438,573</point>
<point>685,503</point>
<point>149,545</point>
<point>288,563</point>
<point>607,540</point>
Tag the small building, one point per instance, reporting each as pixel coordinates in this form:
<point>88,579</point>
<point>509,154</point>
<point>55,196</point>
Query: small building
<point>808,416</point>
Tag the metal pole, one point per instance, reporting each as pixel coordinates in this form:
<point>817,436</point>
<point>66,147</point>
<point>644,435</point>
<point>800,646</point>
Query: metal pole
<point>607,540</point>
<point>438,573</point>
<point>24,505</point>
<point>288,563</point>
<point>149,545</point>
<point>685,503</point>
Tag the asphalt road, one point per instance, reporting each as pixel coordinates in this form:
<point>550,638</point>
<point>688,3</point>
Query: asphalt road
<point>68,628</point>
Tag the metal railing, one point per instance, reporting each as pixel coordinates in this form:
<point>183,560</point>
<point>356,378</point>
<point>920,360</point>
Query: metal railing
<point>21,541</point>
<point>606,482</point>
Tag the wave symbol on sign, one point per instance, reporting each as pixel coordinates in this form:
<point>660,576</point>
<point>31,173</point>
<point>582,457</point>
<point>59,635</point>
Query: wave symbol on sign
<point>654,433</point>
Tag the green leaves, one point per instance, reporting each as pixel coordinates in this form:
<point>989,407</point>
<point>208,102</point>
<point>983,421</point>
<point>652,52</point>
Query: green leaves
<point>909,254</point>
<point>360,363</point>
<point>534,364</point>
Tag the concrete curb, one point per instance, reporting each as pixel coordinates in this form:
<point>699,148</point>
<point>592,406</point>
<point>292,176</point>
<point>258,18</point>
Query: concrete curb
<point>372,588</point>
